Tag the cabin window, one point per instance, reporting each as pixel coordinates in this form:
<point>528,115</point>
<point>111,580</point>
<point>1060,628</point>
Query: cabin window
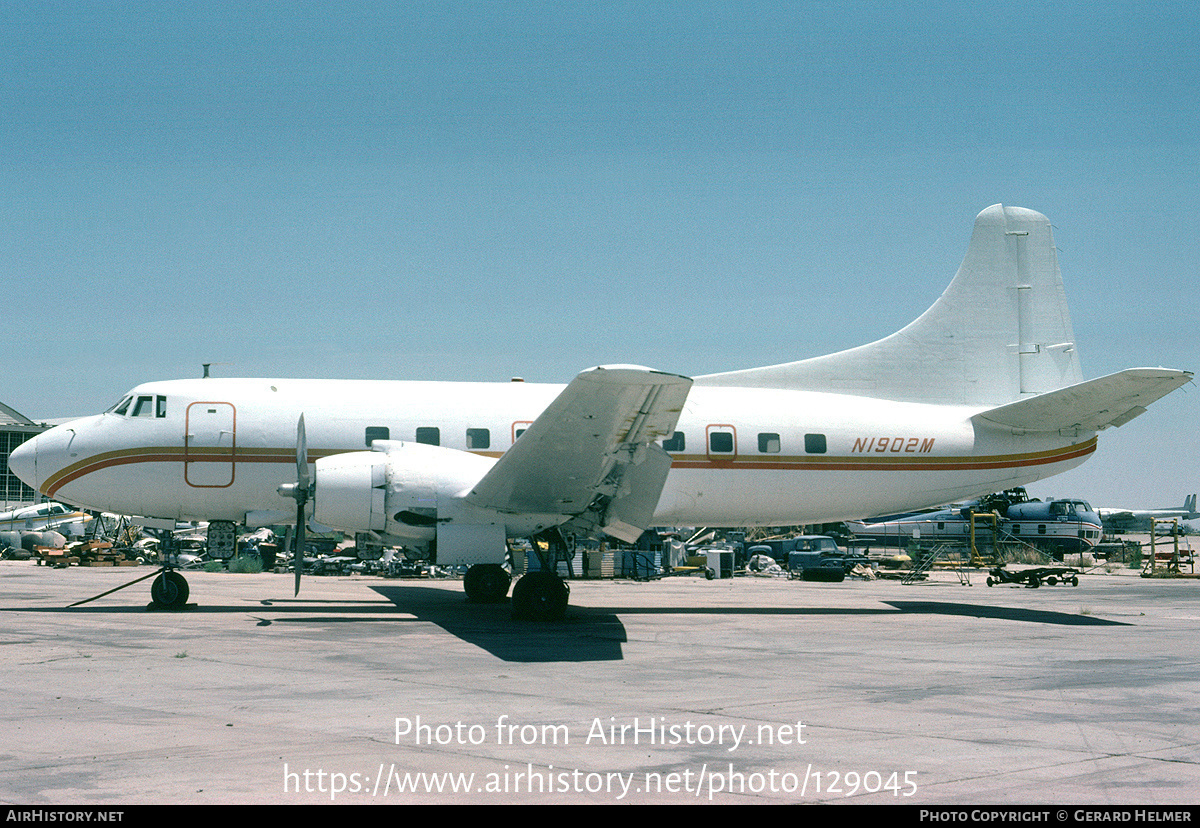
<point>768,443</point>
<point>377,433</point>
<point>814,443</point>
<point>518,432</point>
<point>429,435</point>
<point>675,442</point>
<point>478,438</point>
<point>160,406</point>
<point>720,442</point>
<point>1041,528</point>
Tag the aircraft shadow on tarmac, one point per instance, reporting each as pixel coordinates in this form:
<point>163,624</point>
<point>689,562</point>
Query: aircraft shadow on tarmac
<point>1035,616</point>
<point>596,633</point>
<point>586,634</point>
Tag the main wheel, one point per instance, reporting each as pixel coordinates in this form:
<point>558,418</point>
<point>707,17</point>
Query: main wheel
<point>169,590</point>
<point>487,583</point>
<point>540,596</point>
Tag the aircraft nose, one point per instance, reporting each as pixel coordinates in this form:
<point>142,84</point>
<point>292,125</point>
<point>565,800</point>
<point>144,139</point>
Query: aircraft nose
<point>23,463</point>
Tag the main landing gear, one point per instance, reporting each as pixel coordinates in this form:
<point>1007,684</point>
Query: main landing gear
<point>487,583</point>
<point>543,595</point>
<point>540,596</point>
<point>537,596</point>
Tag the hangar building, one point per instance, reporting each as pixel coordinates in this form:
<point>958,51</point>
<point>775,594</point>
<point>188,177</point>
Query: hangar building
<point>15,428</point>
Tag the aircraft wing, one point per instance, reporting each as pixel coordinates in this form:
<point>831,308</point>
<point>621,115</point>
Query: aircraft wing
<point>591,454</point>
<point>1091,405</point>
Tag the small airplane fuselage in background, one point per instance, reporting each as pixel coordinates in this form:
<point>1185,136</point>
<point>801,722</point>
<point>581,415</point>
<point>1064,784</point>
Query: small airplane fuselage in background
<point>41,517</point>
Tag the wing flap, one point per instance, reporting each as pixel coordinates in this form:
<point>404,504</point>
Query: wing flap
<point>1089,406</point>
<point>576,457</point>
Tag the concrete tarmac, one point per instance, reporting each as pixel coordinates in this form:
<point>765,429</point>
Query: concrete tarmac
<point>739,691</point>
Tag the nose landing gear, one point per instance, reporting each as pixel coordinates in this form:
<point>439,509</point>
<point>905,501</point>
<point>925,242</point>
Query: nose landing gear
<point>169,590</point>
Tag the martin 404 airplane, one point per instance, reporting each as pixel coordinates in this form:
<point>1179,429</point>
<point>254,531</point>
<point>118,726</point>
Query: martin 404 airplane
<point>983,392</point>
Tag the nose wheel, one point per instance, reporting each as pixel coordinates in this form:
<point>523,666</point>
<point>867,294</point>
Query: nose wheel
<point>169,590</point>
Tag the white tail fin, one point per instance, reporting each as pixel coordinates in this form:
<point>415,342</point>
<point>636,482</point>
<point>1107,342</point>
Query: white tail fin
<point>1000,332</point>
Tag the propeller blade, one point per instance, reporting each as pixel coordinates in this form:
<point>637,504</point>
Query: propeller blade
<point>301,495</point>
<point>301,456</point>
<point>298,545</point>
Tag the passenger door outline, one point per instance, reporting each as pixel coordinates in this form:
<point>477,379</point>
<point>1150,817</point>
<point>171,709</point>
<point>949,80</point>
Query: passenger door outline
<point>209,445</point>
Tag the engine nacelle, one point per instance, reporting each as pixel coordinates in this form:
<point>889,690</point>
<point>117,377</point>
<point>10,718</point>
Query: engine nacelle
<point>401,489</point>
<point>350,491</point>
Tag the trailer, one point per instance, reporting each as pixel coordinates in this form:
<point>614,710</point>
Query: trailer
<point>1048,575</point>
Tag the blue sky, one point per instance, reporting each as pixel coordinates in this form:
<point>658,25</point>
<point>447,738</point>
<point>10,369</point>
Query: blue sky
<point>484,190</point>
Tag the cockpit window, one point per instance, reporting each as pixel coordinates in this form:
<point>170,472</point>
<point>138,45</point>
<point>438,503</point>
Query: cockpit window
<point>145,405</point>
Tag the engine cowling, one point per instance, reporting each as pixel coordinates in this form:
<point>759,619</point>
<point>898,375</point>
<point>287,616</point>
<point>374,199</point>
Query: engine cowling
<point>400,489</point>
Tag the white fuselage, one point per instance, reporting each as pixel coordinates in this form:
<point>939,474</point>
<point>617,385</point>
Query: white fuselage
<point>217,449</point>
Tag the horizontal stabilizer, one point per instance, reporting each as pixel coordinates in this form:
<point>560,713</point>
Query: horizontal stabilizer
<point>1088,406</point>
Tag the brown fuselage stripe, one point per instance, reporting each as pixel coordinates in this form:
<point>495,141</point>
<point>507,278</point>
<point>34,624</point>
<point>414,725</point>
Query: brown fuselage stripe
<point>909,463</point>
<point>824,463</point>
